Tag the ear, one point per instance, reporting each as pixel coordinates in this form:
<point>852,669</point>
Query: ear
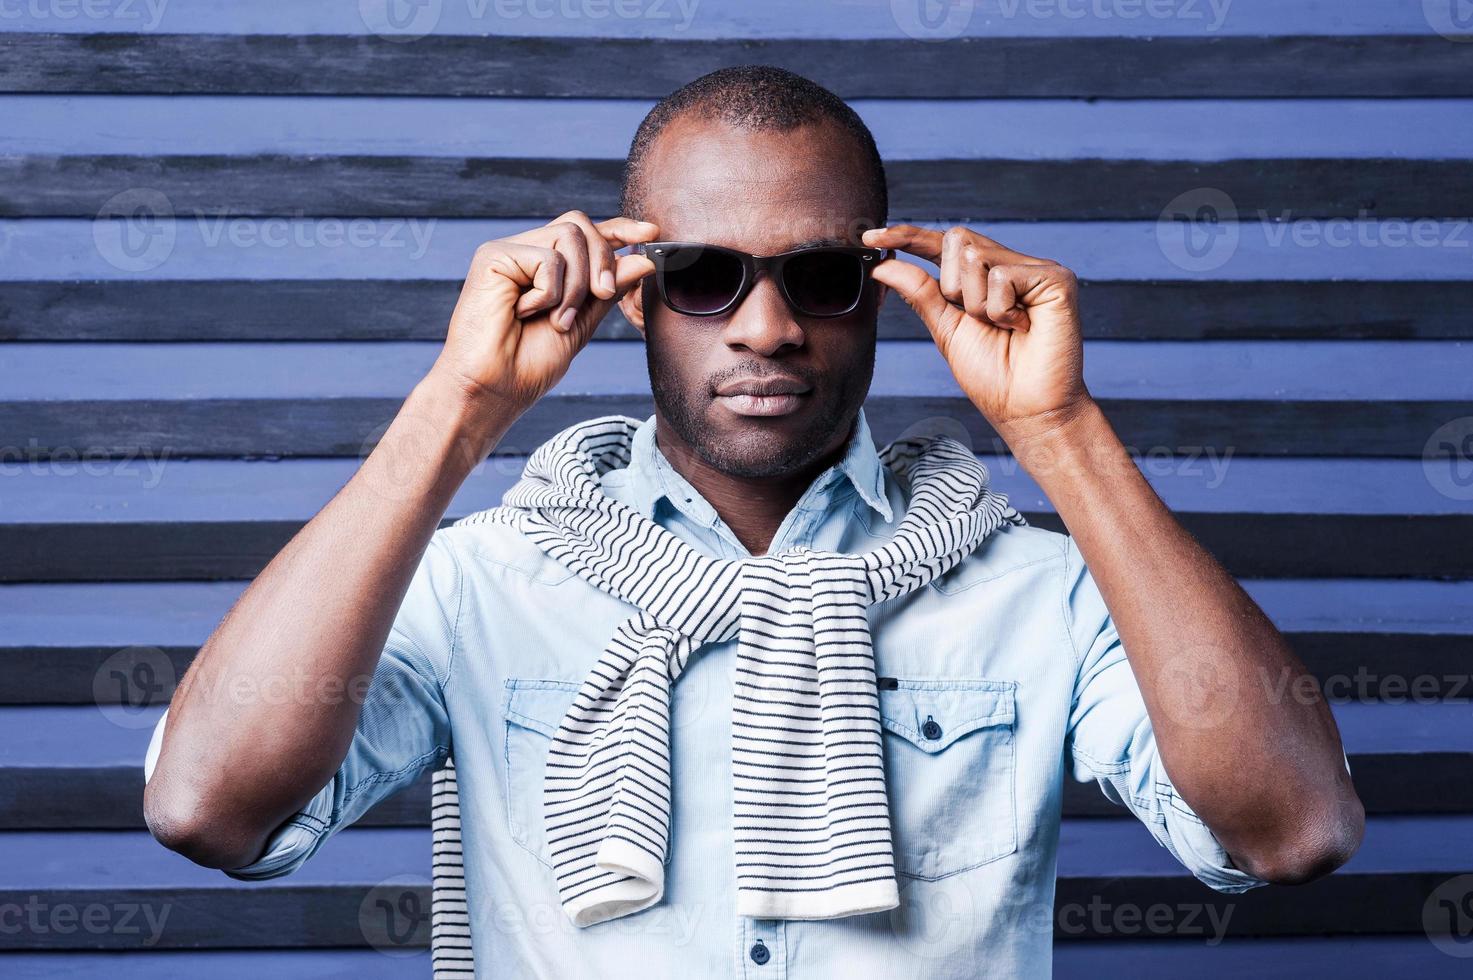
<point>631,304</point>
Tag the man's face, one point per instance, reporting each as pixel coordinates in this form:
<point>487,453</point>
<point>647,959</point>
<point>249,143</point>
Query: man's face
<point>763,193</point>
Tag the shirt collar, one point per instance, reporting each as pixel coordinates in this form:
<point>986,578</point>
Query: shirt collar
<point>650,477</point>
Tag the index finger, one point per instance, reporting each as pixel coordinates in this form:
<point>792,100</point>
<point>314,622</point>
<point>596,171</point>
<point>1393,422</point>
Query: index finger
<point>921,242</point>
<point>621,231</point>
<point>928,244</point>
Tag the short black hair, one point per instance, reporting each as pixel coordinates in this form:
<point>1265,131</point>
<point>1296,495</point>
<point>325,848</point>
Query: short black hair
<point>752,97</point>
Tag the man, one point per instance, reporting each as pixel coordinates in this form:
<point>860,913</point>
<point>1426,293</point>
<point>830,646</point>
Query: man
<point>728,692</point>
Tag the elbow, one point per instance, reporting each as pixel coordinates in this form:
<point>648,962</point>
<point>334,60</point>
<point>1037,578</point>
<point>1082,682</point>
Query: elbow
<point>186,826</point>
<point>1315,849</point>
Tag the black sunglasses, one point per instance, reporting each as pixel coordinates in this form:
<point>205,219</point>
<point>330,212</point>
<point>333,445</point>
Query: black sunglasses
<point>695,279</point>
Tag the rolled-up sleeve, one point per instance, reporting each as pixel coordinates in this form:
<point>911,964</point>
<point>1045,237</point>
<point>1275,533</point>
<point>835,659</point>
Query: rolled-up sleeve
<point>1111,740</point>
<point>403,727</point>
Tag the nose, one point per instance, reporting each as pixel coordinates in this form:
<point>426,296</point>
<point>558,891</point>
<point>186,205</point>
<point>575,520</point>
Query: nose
<point>763,323</point>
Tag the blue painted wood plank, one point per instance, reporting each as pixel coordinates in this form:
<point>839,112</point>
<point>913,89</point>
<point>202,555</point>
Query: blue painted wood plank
<point>133,859</point>
<point>167,490</point>
<point>1124,848</point>
<point>78,736</point>
<point>1115,848</point>
<point>204,246</point>
<point>904,129</point>
<point>119,613</point>
<point>1385,606</point>
<point>1342,957</point>
<point>303,964</point>
<point>682,19</point>
<point>1218,370</point>
<point>89,736</point>
<point>177,613</point>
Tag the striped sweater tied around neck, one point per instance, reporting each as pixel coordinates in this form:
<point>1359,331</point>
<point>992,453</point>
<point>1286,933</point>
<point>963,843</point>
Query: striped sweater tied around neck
<point>811,819</point>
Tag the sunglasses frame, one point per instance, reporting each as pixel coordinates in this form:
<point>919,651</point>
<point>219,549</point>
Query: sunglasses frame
<point>659,253</point>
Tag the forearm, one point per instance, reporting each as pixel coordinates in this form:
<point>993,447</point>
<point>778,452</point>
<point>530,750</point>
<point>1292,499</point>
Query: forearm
<point>266,712</point>
<point>1240,724</point>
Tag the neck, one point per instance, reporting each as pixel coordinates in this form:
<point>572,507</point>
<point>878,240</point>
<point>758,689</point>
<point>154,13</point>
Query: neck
<point>753,507</point>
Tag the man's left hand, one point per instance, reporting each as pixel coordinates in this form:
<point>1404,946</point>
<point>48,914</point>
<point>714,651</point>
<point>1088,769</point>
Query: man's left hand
<point>1007,323</point>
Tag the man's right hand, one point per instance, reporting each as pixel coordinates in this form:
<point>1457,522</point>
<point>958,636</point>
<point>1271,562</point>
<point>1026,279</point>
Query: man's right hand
<point>231,770</point>
<point>531,302</point>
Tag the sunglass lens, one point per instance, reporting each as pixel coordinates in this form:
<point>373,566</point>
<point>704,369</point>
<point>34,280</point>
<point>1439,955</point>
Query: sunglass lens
<point>824,283</point>
<point>701,281</point>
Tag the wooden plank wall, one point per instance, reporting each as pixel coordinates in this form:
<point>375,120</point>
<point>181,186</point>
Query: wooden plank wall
<point>231,234</point>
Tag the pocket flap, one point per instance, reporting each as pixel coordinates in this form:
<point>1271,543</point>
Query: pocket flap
<point>933,714</point>
<point>539,705</point>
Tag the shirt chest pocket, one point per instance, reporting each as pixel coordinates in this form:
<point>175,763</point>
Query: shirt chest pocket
<point>949,772</point>
<point>533,710</point>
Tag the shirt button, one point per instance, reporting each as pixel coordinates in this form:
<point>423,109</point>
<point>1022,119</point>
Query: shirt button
<point>930,729</point>
<point>760,955</point>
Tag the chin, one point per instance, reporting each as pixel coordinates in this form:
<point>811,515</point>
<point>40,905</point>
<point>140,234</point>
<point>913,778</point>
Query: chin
<point>756,448</point>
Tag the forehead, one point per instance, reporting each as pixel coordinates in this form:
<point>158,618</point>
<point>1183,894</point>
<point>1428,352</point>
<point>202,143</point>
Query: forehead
<point>762,191</point>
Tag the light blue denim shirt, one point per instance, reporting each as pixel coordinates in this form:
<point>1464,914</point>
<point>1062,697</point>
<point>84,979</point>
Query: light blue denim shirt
<point>1013,654</point>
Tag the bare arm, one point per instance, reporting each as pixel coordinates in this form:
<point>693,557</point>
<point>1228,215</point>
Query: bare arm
<point>314,622</point>
<point>1240,724</point>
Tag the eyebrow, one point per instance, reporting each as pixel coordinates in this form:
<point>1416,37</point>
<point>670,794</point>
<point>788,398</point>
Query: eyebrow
<point>814,243</point>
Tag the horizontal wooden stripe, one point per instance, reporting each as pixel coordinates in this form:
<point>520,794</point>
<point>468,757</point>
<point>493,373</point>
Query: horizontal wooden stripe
<point>1392,668</point>
<point>365,855</point>
<point>119,614</point>
<point>995,67</point>
<point>904,129</point>
<point>215,187</point>
<point>1342,904</point>
<point>1246,370</point>
<point>1328,545</point>
<point>1341,605</point>
<point>349,426</point>
<point>111,798</point>
<point>1395,668</point>
<point>109,491</point>
<point>236,964</point>
<point>441,248</point>
<point>747,19</point>
<point>263,917</point>
<point>418,309</point>
<point>1388,783</point>
<point>319,916</point>
<point>1249,545</point>
<point>1200,957</point>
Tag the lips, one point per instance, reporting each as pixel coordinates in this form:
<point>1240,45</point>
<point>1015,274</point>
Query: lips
<point>763,397</point>
<point>763,387</point>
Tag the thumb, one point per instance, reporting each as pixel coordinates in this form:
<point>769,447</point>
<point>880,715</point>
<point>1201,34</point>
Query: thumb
<point>628,271</point>
<point>921,293</point>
